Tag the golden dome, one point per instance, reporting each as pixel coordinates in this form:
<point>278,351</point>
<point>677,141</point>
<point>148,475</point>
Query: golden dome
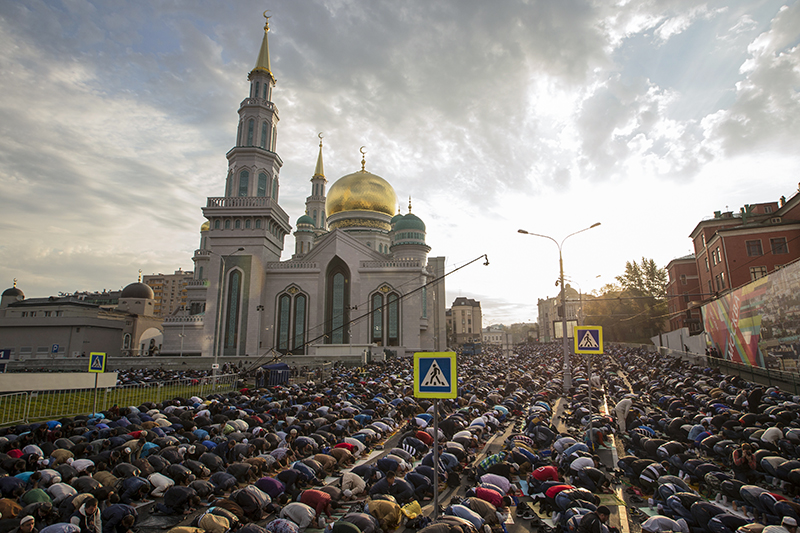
<point>361,191</point>
<point>205,226</point>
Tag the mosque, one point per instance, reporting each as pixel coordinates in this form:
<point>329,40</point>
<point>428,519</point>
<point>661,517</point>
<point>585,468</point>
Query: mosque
<point>359,285</point>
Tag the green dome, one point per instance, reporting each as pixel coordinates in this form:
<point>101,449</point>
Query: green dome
<point>305,219</point>
<point>395,218</point>
<point>409,222</point>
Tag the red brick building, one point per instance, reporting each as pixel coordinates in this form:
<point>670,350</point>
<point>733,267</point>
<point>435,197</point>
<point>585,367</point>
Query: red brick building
<point>684,295</point>
<point>734,249</point>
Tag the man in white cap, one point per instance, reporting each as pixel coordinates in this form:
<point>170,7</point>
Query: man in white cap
<point>26,525</point>
<point>788,525</point>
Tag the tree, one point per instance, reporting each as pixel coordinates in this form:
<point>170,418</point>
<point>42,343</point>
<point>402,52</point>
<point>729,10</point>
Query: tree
<point>636,309</point>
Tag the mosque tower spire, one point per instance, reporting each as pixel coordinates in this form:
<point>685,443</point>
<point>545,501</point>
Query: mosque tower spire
<point>315,204</point>
<point>246,226</point>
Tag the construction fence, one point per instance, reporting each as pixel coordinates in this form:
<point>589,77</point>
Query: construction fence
<point>32,406</point>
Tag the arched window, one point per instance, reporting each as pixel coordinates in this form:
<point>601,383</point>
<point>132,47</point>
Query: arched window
<point>284,315</point>
<point>258,223</point>
<point>228,224</point>
<point>377,319</point>
<point>264,135</point>
<point>232,312</point>
<point>338,302</point>
<point>255,93</point>
<point>251,124</point>
<point>238,224</point>
<point>244,182</point>
<point>247,224</point>
<point>315,217</point>
<point>393,320</point>
<point>200,273</point>
<point>126,342</point>
<point>275,189</point>
<point>265,91</point>
<point>261,190</point>
<point>299,324</point>
<point>216,224</point>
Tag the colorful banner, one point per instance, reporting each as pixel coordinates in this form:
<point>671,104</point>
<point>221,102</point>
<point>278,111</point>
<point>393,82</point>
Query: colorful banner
<point>757,320</point>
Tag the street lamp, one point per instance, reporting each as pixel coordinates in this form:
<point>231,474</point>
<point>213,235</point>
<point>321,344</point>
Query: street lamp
<point>218,325</point>
<point>564,343</point>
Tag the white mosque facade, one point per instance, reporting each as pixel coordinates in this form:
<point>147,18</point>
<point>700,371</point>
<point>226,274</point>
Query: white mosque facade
<point>359,281</point>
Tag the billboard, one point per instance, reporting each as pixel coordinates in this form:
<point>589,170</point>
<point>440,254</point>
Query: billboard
<point>757,320</point>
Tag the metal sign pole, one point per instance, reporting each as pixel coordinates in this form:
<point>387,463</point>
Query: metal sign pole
<point>435,459</point>
<point>589,379</point>
<point>95,392</point>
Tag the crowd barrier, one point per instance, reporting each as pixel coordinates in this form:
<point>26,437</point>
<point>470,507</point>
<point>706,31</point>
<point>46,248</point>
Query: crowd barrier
<point>32,406</point>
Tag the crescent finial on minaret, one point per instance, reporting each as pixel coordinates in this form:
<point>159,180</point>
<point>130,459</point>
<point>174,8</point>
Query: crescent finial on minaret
<point>320,138</point>
<point>15,282</point>
<point>409,203</point>
<point>140,275</point>
<point>266,24</point>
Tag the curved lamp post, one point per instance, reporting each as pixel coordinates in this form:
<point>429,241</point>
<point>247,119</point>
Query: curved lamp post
<point>564,341</point>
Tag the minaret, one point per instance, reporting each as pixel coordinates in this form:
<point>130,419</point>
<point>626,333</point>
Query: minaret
<point>246,226</point>
<point>315,204</point>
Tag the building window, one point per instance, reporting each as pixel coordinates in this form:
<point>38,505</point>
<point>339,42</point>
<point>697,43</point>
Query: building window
<point>703,239</point>
<point>126,341</point>
<point>238,224</point>
<point>264,135</point>
<point>424,302</point>
<point>720,280</point>
<point>710,288</point>
<point>264,96</point>
<point>275,189</point>
<point>258,223</point>
<point>377,319</point>
<point>232,322</point>
<point>706,261</point>
<point>338,302</point>
<point>47,313</point>
<point>779,245</point>
<point>683,279</point>
<point>200,273</point>
<point>228,224</point>
<point>244,182</point>
<point>216,224</point>
<point>261,189</point>
<point>284,314</point>
<point>251,124</point>
<point>758,272</point>
<point>299,323</point>
<point>255,93</point>
<point>686,298</point>
<point>754,248</point>
<point>768,209</point>
<point>393,320</point>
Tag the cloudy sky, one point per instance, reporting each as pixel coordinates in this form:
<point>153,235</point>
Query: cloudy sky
<point>646,116</point>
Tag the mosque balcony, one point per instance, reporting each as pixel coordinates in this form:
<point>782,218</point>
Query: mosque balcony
<point>292,265</point>
<point>202,253</point>
<point>241,201</point>
<point>414,264</point>
<point>263,102</point>
<point>197,283</point>
<point>191,319</point>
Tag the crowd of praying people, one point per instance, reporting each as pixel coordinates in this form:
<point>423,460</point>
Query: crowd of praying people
<point>354,453</point>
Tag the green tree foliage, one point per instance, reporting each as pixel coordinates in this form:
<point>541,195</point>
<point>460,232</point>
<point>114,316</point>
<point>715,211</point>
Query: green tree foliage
<point>635,309</point>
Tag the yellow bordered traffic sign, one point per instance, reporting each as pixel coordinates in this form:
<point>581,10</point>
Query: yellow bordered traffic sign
<point>588,339</point>
<point>97,362</point>
<point>435,375</point>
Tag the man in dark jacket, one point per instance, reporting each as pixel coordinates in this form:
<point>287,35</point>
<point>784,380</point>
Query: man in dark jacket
<point>593,522</point>
<point>119,518</point>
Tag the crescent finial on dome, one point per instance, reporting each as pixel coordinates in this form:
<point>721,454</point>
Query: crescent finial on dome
<point>363,158</point>
<point>409,203</point>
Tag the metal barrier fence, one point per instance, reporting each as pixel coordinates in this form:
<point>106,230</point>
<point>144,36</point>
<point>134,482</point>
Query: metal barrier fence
<point>23,407</point>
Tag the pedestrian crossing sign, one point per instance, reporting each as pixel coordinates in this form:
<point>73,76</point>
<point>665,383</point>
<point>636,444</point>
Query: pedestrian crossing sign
<point>435,375</point>
<point>97,362</point>
<point>588,339</point>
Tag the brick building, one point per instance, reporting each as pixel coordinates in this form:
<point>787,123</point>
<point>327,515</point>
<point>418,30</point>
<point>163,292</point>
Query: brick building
<point>734,249</point>
<point>684,295</point>
<point>169,290</point>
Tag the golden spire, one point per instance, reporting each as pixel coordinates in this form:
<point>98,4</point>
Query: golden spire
<point>262,63</point>
<point>363,158</point>
<point>319,172</point>
<point>140,275</point>
<point>409,204</point>
<point>15,283</point>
